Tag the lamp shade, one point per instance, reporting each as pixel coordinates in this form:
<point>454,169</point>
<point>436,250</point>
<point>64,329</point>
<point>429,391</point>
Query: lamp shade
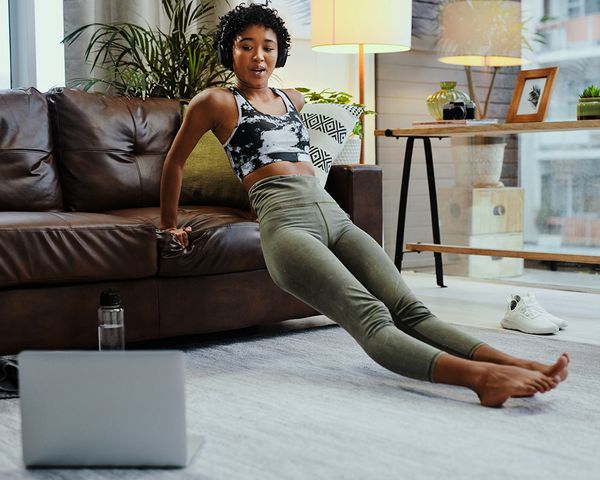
<point>481,33</point>
<point>340,26</point>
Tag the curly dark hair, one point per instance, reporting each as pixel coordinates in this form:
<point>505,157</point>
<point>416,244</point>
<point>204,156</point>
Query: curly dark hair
<point>244,16</point>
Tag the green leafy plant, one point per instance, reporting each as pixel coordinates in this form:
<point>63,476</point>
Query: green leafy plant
<point>590,92</point>
<point>142,62</point>
<point>342,98</point>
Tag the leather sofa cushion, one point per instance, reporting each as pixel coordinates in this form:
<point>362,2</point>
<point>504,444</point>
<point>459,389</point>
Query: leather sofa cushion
<point>27,166</point>
<point>58,248</point>
<point>223,240</point>
<point>111,149</point>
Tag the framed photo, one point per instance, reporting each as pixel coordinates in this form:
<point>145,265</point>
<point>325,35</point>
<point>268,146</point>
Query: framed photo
<point>531,95</point>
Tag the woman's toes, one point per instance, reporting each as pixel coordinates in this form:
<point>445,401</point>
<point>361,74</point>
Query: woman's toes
<point>532,390</point>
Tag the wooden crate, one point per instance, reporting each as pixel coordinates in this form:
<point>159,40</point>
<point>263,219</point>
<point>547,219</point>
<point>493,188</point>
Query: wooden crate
<point>484,218</point>
<point>480,211</point>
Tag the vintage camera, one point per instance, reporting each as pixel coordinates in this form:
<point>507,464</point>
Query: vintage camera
<point>459,111</point>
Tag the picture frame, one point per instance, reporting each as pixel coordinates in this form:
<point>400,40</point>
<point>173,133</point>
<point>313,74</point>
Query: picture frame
<point>531,95</point>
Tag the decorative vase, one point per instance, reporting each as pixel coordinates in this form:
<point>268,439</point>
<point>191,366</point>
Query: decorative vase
<point>350,154</point>
<point>588,108</point>
<point>478,161</point>
<point>448,93</point>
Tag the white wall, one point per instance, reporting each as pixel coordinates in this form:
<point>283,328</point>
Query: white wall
<point>404,81</point>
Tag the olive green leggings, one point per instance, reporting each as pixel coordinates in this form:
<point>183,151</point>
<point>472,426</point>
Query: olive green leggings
<point>313,251</point>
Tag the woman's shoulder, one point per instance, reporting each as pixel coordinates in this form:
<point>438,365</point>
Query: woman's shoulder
<point>213,97</point>
<point>213,102</point>
<point>295,96</point>
<point>213,106</point>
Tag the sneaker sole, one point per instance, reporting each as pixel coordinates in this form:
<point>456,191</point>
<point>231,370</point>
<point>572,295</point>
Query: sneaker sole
<point>509,326</point>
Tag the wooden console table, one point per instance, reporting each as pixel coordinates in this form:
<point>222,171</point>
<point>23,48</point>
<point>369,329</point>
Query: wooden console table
<point>425,134</point>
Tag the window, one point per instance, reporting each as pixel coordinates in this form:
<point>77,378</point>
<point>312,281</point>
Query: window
<point>31,54</point>
<point>592,6</point>
<point>50,56</point>
<point>4,46</point>
<point>560,172</point>
<point>576,8</point>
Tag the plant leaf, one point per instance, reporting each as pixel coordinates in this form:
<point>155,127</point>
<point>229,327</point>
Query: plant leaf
<point>148,62</point>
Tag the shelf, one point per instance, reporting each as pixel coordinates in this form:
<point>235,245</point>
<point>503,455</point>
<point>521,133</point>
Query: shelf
<point>493,129</point>
<point>556,257</point>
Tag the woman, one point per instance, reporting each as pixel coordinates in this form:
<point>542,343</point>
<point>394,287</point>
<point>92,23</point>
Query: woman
<point>311,249</point>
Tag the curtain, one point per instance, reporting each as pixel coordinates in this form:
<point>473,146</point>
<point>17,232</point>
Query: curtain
<point>82,12</point>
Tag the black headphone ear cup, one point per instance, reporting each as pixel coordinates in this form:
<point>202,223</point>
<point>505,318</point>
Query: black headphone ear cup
<point>220,53</point>
<point>224,57</point>
<point>281,58</point>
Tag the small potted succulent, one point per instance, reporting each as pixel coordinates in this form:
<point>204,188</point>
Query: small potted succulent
<point>351,151</point>
<point>588,107</point>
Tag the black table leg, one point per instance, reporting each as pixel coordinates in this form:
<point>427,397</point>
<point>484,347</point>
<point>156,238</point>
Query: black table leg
<point>410,141</point>
<point>435,222</point>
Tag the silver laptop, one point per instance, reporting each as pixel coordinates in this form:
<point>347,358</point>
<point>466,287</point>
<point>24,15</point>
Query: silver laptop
<point>121,409</point>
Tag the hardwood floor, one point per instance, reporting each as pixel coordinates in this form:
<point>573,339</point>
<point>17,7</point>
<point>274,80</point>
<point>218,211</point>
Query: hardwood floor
<point>481,303</point>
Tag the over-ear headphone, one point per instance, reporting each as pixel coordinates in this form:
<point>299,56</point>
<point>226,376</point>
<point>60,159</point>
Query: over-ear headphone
<point>226,59</point>
<point>282,54</point>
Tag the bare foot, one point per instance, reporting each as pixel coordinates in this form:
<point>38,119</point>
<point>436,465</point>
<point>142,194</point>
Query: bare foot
<point>500,382</point>
<point>558,369</point>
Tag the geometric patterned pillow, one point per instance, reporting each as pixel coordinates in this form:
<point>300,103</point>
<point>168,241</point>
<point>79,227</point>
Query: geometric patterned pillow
<point>329,125</point>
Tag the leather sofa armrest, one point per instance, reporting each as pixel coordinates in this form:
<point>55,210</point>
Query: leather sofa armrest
<point>359,191</point>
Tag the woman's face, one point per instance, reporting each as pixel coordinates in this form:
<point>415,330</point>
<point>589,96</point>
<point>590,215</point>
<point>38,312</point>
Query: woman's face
<point>255,55</point>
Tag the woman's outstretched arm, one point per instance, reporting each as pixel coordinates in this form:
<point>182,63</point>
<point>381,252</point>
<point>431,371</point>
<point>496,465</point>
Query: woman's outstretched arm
<point>200,118</point>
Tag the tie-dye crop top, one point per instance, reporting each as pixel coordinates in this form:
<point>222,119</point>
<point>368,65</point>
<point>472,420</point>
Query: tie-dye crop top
<point>260,139</point>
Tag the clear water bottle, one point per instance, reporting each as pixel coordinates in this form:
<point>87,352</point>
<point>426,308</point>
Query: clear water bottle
<point>111,328</point>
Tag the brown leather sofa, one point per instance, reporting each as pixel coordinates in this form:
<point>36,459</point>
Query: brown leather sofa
<point>79,204</point>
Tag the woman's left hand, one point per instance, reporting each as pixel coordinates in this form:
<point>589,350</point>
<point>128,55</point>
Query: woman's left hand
<point>180,235</point>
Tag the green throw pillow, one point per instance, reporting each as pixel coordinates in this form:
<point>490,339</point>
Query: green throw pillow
<point>208,178</point>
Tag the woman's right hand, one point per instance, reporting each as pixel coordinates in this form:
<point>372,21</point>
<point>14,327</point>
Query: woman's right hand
<point>180,235</point>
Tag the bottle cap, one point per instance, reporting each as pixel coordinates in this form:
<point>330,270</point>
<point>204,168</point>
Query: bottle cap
<point>110,298</point>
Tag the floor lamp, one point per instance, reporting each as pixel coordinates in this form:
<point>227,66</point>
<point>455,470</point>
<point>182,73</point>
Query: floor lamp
<point>361,26</point>
<point>493,39</point>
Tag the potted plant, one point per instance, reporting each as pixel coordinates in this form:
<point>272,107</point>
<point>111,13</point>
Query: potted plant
<point>142,62</point>
<point>588,107</point>
<point>351,152</point>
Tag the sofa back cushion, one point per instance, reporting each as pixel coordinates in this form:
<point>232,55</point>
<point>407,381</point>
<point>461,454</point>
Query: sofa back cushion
<point>111,149</point>
<point>28,170</point>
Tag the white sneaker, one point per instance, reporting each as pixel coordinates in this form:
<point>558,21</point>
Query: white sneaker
<point>530,299</point>
<point>521,316</point>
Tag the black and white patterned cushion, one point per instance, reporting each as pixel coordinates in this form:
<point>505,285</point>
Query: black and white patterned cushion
<point>329,126</point>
